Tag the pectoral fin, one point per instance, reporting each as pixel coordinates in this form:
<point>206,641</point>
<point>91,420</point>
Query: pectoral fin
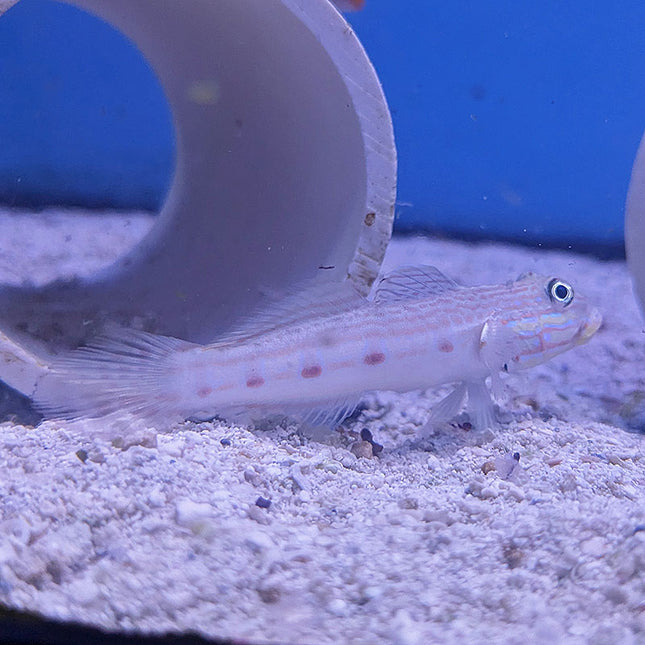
<point>498,344</point>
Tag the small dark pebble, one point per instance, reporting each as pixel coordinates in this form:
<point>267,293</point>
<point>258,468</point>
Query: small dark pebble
<point>82,455</point>
<point>362,449</point>
<point>488,467</point>
<point>55,570</point>
<point>366,435</point>
<point>516,456</point>
<point>269,594</point>
<point>466,425</point>
<point>262,502</point>
<point>513,556</point>
<point>225,441</point>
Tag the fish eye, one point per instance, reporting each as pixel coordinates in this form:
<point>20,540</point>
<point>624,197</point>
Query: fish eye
<point>560,291</point>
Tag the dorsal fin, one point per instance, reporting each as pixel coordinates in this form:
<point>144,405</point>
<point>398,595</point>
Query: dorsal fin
<point>408,283</point>
<point>310,300</point>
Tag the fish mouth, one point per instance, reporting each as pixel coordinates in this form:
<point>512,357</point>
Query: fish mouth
<point>590,326</point>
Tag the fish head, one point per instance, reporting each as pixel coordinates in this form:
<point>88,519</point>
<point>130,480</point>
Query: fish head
<point>542,317</point>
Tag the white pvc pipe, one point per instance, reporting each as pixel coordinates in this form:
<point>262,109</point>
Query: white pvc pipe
<point>6,4</point>
<point>635,225</point>
<point>285,164</point>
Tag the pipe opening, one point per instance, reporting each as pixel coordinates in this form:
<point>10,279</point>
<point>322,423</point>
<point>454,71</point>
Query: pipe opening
<point>88,148</point>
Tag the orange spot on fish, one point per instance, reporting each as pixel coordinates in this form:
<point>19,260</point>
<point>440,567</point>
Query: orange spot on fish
<point>375,358</point>
<point>203,392</point>
<point>312,371</point>
<point>254,381</point>
<point>445,346</point>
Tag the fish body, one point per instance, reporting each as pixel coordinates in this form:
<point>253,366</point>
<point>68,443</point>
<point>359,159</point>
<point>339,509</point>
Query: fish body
<point>313,356</point>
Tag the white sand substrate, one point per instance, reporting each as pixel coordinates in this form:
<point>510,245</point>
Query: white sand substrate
<point>442,539</point>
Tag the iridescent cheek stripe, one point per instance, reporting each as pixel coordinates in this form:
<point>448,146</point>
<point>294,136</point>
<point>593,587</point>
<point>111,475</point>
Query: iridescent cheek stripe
<point>543,334</point>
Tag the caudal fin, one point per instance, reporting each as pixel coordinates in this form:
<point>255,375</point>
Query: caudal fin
<point>123,371</point>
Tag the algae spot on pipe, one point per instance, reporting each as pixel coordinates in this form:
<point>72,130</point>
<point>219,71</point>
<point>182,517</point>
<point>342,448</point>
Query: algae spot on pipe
<point>349,5</point>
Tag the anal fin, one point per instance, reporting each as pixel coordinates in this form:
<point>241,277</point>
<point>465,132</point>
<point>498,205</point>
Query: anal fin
<point>480,406</point>
<point>318,414</point>
<point>450,406</point>
<point>330,415</point>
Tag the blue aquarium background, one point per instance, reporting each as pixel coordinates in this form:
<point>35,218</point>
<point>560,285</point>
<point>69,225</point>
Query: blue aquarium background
<point>513,120</point>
